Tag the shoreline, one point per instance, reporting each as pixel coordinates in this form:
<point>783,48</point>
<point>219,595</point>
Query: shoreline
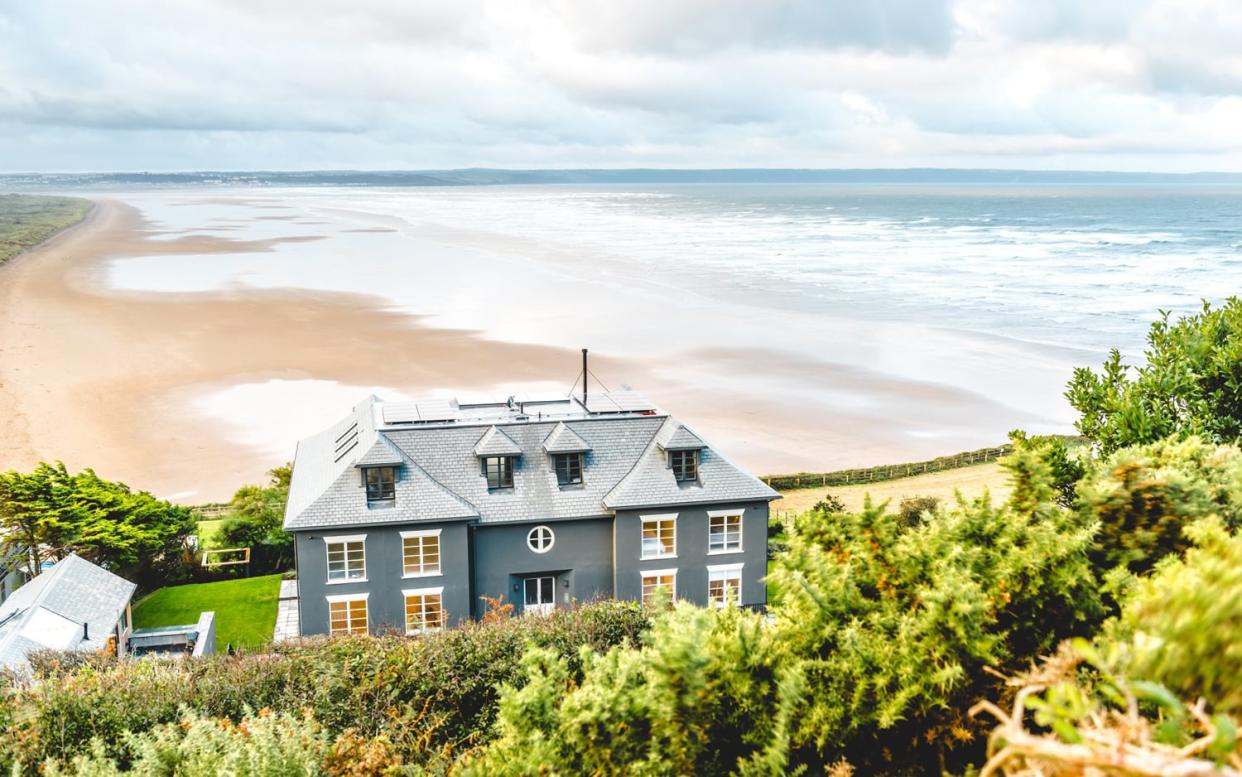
<point>118,380</point>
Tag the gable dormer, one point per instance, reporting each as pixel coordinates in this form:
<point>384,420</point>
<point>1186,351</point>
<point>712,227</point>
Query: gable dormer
<point>380,466</point>
<point>682,448</point>
<point>496,452</point>
<point>567,451</point>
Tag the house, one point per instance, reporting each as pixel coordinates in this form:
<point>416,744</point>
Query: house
<point>406,514</point>
<point>75,606</point>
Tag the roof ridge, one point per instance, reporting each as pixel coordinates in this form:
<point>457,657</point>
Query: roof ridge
<point>641,457</point>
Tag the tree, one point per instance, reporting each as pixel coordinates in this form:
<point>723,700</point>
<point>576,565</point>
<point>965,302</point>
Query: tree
<point>256,518</point>
<point>1191,384</point>
<point>49,513</point>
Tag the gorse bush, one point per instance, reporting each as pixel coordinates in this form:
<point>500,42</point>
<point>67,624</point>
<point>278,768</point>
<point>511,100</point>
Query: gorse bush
<point>895,624</point>
<point>262,745</point>
<point>1143,497</point>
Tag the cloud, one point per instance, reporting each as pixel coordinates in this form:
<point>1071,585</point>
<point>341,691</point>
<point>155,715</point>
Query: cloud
<point>179,84</point>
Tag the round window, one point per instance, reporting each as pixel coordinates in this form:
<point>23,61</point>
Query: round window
<point>540,539</point>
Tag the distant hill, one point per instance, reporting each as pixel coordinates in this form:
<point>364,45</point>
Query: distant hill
<point>636,176</point>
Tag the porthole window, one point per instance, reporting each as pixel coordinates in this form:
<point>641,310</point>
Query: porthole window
<point>540,539</point>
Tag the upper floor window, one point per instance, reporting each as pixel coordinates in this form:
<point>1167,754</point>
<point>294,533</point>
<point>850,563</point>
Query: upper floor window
<point>685,465</point>
<point>499,472</point>
<point>420,553</point>
<point>659,536</point>
<point>347,614</point>
<point>724,532</point>
<point>381,485</point>
<point>347,558</point>
<point>568,468</point>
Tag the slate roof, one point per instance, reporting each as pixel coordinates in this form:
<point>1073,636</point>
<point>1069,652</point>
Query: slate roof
<point>675,437</point>
<point>563,440</point>
<point>50,610</point>
<point>651,483</point>
<point>440,478</point>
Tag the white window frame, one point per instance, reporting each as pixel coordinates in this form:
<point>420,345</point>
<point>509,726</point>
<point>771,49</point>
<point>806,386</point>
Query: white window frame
<point>643,574</point>
<point>531,534</point>
<point>419,534</point>
<point>646,519</point>
<point>724,572</point>
<point>405,596</point>
<point>346,599</point>
<point>329,541</point>
<point>726,514</point>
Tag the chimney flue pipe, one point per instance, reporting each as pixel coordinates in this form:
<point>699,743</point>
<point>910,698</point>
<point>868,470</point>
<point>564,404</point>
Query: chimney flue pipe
<point>584,377</point>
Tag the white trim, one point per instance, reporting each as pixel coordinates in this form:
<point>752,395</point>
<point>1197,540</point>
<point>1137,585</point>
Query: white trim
<point>405,535</point>
<point>654,572</point>
<point>422,591</point>
<point>723,569</point>
<point>723,513</point>
<point>417,575</point>
<point>724,552</point>
<point>343,582</point>
<point>344,538</point>
<point>530,534</point>
<point>643,521</point>
<point>338,598</point>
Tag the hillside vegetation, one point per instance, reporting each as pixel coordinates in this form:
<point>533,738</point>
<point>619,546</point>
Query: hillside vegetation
<point>26,220</point>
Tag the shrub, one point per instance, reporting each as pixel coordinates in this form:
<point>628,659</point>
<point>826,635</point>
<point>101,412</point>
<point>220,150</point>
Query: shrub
<point>259,745</point>
<point>1191,384</point>
<point>913,508</point>
<point>897,625</point>
<point>1143,497</point>
<point>426,695</point>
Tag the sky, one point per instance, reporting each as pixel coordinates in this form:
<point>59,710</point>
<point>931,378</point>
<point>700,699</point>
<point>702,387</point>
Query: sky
<point>1141,85</point>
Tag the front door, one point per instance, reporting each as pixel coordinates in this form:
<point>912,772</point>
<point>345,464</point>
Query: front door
<point>539,595</point>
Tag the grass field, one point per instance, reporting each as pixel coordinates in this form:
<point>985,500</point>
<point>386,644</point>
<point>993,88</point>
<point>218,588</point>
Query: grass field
<point>245,609</point>
<point>28,220</point>
<point>971,481</point>
<point>207,531</point>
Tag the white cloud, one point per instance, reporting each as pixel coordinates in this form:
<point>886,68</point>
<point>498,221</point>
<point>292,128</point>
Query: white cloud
<point>178,84</point>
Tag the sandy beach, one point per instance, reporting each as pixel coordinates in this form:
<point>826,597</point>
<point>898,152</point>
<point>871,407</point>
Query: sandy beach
<point>118,380</point>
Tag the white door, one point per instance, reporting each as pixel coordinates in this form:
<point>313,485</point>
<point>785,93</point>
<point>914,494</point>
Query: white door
<point>539,595</point>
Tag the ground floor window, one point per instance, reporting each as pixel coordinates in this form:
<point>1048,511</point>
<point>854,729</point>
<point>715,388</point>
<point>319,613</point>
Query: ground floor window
<point>724,584</point>
<point>661,579</point>
<point>347,615</point>
<point>424,610</point>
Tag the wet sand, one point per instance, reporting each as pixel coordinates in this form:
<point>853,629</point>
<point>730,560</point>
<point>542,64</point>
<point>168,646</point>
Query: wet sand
<point>107,379</point>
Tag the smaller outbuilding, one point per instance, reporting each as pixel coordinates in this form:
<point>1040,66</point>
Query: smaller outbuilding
<point>74,606</point>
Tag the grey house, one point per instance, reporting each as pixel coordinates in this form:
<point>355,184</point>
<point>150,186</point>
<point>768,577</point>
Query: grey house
<point>407,514</point>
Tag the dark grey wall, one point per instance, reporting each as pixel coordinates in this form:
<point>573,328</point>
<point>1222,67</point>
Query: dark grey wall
<point>384,583</point>
<point>580,558</point>
<point>692,557</point>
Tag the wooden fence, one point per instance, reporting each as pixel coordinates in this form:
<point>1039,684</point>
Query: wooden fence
<point>847,477</point>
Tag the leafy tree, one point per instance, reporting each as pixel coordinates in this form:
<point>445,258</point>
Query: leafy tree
<point>831,503</point>
<point>1066,468</point>
<point>1143,497</point>
<point>897,625</point>
<point>256,518</point>
<point>1191,384</point>
<point>49,513</point>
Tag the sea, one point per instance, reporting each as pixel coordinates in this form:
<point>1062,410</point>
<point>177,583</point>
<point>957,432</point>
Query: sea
<point>990,290</point>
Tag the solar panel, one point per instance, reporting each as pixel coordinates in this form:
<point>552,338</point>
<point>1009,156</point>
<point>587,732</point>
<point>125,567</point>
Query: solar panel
<point>400,412</point>
<point>425,411</point>
<point>437,410</point>
<point>619,402</point>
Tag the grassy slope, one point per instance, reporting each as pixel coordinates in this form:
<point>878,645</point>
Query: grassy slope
<point>245,609</point>
<point>27,220</point>
<point>971,481</point>
<point>207,531</point>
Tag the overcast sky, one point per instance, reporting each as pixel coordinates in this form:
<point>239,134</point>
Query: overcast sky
<point>306,84</point>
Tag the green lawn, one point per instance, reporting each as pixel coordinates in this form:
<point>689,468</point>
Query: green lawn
<point>245,609</point>
<point>207,531</point>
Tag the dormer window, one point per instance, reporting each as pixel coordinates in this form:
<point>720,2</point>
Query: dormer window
<point>381,485</point>
<point>568,468</point>
<point>499,472</point>
<point>685,465</point>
